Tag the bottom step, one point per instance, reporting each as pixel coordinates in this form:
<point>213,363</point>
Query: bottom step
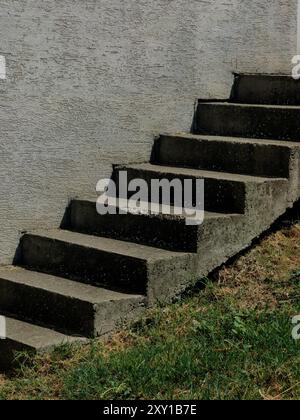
<point>64,305</point>
<point>21,336</point>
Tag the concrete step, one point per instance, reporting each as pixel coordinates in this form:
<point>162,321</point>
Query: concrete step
<point>63,304</point>
<point>266,89</point>
<point>22,336</point>
<point>245,120</point>
<point>94,260</point>
<point>267,158</point>
<point>224,192</point>
<point>159,230</point>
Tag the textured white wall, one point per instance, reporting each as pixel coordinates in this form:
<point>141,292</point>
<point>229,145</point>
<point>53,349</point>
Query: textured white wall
<point>91,82</point>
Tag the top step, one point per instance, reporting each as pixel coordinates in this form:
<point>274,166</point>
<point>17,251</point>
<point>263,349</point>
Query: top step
<point>265,89</point>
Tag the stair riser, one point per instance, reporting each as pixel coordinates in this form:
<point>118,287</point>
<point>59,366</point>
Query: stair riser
<point>65,313</point>
<point>154,231</point>
<point>245,158</point>
<point>260,89</point>
<point>220,195</point>
<point>252,122</point>
<point>84,264</point>
<point>41,306</point>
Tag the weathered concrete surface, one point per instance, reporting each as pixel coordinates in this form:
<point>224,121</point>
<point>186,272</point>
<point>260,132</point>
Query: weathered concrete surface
<point>224,192</point>
<point>91,82</point>
<point>166,231</point>
<point>265,89</point>
<point>278,122</point>
<point>162,231</point>
<point>245,156</point>
<point>259,157</point>
<point>64,304</point>
<point>118,265</point>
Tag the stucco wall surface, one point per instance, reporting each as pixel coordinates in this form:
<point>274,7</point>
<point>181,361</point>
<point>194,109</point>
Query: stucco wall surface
<point>91,82</point>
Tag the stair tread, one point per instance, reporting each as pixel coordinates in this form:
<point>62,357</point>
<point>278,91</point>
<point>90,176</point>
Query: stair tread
<point>114,246</point>
<point>207,214</point>
<point>62,286</point>
<point>237,140</point>
<point>244,105</point>
<point>268,75</point>
<point>35,337</point>
<point>199,173</point>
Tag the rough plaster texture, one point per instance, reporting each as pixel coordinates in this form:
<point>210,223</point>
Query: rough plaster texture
<point>91,82</point>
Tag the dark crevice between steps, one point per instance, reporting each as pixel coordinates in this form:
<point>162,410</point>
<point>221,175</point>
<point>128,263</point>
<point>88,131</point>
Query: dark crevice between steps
<point>195,124</point>
<point>234,89</point>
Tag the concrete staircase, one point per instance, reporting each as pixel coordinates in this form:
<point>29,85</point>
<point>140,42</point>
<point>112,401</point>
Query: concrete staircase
<point>97,271</point>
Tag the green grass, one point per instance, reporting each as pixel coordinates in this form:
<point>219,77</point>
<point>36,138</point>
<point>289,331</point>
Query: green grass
<point>231,341</point>
<point>223,354</point>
